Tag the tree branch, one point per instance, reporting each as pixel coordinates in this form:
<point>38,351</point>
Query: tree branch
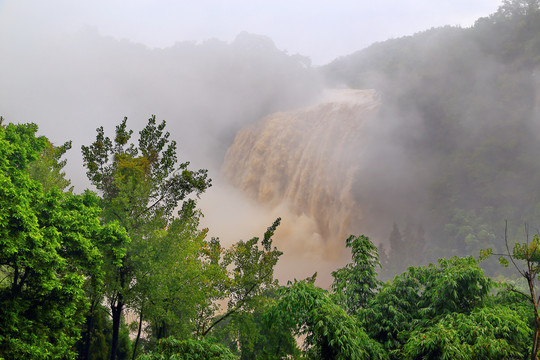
<point>147,209</point>
<point>508,248</point>
<point>519,292</point>
<point>232,311</point>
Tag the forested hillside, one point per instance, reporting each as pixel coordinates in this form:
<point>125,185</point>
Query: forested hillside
<point>463,106</point>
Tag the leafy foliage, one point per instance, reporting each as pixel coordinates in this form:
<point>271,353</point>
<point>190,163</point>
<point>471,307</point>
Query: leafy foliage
<point>176,276</point>
<point>527,254</point>
<point>99,344</point>
<point>48,253</point>
<point>191,349</point>
<point>141,186</point>
<point>356,283</point>
<point>251,274</point>
<point>47,169</point>
<point>249,335</point>
<point>421,295</point>
<point>486,333</point>
<point>330,332</point>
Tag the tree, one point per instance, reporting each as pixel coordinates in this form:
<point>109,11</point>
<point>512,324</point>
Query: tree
<point>177,277</point>
<point>47,253</point>
<point>330,333</point>
<point>190,349</point>
<point>47,168</point>
<point>356,283</point>
<point>422,295</point>
<point>112,247</point>
<point>252,274</point>
<point>140,186</point>
<point>486,333</point>
<point>251,337</point>
<point>527,253</point>
<point>517,8</point>
<point>97,345</point>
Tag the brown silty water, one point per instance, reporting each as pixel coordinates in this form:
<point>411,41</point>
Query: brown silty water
<point>302,165</point>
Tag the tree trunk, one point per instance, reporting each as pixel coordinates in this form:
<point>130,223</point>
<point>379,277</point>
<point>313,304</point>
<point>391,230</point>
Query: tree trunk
<point>161,329</point>
<point>536,339</point>
<point>116,319</point>
<point>88,335</point>
<point>138,334</point>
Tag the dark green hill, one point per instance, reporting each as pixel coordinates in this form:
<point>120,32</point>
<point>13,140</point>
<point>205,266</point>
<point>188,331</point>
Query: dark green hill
<point>463,106</point>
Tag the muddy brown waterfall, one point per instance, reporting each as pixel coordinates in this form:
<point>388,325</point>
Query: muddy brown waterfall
<point>308,160</point>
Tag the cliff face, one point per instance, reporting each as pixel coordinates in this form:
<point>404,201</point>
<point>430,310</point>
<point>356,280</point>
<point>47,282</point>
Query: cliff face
<point>307,159</point>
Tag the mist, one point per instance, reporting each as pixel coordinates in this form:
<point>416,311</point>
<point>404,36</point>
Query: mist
<point>450,148</point>
<point>204,91</point>
<point>71,84</point>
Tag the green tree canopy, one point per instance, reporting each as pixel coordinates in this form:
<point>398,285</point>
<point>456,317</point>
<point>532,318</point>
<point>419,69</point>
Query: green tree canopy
<point>47,168</point>
<point>48,251</point>
<point>330,333</point>
<point>486,333</point>
<point>422,294</point>
<point>356,283</point>
<point>141,186</point>
<point>190,349</point>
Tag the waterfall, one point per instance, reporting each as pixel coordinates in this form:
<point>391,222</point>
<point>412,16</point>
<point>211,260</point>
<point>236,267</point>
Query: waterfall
<point>307,160</point>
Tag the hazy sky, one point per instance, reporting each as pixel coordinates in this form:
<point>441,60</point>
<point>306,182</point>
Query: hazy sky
<point>319,29</point>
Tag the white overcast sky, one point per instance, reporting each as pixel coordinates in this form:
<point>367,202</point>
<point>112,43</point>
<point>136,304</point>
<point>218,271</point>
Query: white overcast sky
<point>320,29</point>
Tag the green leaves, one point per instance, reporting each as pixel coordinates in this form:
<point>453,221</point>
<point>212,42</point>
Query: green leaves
<point>485,254</point>
<point>96,157</point>
<point>156,265</point>
<point>48,253</point>
<point>330,332</point>
<point>251,273</point>
<point>495,332</point>
<point>529,251</point>
<point>357,282</point>
<point>457,286</point>
<point>528,254</point>
<point>503,261</point>
<point>144,183</point>
<point>47,169</point>
<point>172,349</point>
<point>421,295</point>
<point>174,277</point>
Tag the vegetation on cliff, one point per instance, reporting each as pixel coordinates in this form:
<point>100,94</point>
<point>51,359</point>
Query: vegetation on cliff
<point>462,107</point>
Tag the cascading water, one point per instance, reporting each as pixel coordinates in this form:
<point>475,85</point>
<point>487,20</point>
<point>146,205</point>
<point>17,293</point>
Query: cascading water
<point>308,161</point>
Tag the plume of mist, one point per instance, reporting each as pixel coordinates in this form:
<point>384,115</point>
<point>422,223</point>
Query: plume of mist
<point>69,84</point>
<point>231,215</point>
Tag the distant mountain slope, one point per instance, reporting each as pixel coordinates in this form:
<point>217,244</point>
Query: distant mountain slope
<point>464,102</point>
